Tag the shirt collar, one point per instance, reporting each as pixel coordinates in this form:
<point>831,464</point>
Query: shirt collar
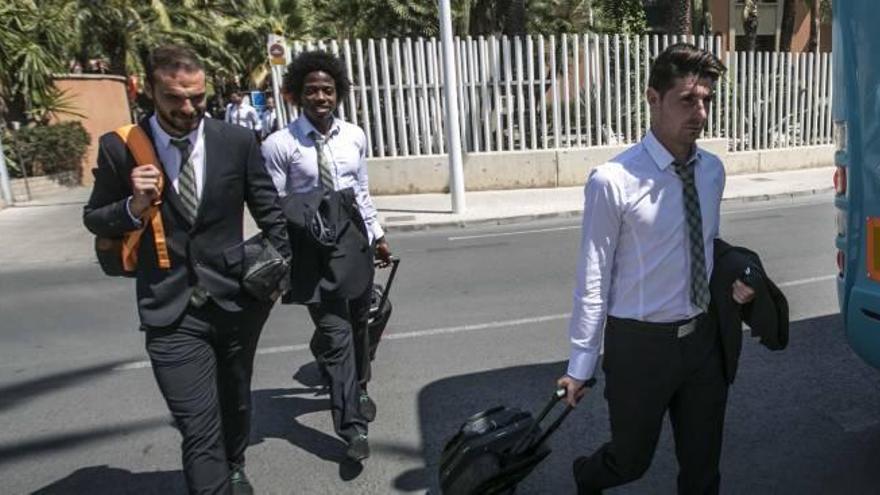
<point>163,139</point>
<point>306,128</point>
<point>661,156</point>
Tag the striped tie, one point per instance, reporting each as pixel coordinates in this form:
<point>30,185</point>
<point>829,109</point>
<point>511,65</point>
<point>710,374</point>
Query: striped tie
<point>699,284</point>
<point>324,171</point>
<point>186,180</point>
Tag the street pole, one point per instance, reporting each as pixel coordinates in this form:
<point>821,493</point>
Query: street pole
<point>453,130</point>
<point>4,175</point>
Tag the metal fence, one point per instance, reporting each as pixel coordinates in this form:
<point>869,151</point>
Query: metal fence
<point>584,90</point>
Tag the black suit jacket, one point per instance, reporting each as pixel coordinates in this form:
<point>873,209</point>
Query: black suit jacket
<point>208,252</point>
<point>766,315</point>
<point>343,270</point>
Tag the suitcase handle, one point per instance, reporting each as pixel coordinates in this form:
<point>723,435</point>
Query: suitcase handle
<point>395,261</point>
<point>525,443</point>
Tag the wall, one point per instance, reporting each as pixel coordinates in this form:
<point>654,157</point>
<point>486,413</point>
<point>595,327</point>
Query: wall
<point>102,100</point>
<point>559,167</point>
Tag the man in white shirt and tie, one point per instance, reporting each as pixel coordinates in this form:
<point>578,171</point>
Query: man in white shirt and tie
<point>650,217</point>
<point>239,112</point>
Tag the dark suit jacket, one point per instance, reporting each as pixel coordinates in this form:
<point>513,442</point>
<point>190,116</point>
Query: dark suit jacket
<point>766,315</point>
<point>341,271</point>
<point>209,252</point>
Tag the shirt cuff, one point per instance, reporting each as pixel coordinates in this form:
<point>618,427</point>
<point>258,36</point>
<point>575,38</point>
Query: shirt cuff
<point>135,220</point>
<point>378,233</point>
<point>582,364</point>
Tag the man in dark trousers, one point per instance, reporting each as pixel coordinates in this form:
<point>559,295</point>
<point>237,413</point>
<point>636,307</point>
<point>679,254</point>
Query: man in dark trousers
<point>201,328</point>
<point>320,155</point>
<point>650,217</point>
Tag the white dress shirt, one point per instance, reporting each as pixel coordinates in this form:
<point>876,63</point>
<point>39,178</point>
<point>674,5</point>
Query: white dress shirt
<point>169,158</point>
<point>292,162</point>
<point>243,115</point>
<point>268,120</point>
<point>634,258</point>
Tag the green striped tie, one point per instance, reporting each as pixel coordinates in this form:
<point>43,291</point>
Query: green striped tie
<point>326,175</point>
<point>186,180</point>
<point>699,285</point>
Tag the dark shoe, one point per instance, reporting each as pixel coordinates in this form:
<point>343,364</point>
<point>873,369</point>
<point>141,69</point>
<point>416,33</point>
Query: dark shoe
<point>358,448</point>
<point>240,483</point>
<point>581,489</point>
<point>367,407</point>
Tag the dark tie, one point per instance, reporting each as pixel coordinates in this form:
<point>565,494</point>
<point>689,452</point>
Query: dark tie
<point>186,180</point>
<point>699,284</point>
<point>326,175</point>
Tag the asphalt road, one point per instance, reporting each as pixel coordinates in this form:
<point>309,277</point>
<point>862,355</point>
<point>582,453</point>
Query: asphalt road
<point>479,319</point>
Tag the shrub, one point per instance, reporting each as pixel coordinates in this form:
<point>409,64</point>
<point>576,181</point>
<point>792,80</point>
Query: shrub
<point>46,150</point>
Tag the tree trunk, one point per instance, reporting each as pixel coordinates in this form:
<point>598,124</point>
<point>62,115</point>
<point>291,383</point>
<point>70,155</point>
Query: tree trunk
<point>678,17</point>
<point>813,43</point>
<point>750,24</point>
<point>515,20</point>
<point>787,29</point>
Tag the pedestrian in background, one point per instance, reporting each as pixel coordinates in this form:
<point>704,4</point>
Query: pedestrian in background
<point>651,215</point>
<point>320,152</point>
<point>240,113</point>
<point>268,119</point>
<point>201,328</point>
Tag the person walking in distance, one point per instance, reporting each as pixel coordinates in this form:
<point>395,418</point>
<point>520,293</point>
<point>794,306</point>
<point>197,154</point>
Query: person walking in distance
<point>651,215</point>
<point>201,328</point>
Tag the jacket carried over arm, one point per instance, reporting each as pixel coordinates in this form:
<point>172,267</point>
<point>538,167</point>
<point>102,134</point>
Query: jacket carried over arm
<point>766,315</point>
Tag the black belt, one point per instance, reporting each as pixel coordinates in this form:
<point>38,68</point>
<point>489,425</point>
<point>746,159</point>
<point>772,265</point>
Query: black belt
<point>679,329</point>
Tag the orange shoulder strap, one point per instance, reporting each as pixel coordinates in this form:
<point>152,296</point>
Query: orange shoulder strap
<point>142,149</point>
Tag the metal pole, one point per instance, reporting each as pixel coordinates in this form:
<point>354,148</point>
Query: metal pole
<point>453,131</point>
<point>27,187</point>
<point>4,176</point>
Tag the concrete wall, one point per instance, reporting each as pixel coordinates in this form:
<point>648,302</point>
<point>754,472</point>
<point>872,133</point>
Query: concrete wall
<point>559,168</point>
<point>102,100</point>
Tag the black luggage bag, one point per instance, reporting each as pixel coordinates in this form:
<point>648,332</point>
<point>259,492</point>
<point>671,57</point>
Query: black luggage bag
<point>497,448</point>
<point>380,309</point>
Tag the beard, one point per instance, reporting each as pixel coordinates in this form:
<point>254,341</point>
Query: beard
<point>178,123</point>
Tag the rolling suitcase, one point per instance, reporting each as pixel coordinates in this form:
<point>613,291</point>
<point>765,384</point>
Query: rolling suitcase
<point>497,448</point>
<point>380,309</point>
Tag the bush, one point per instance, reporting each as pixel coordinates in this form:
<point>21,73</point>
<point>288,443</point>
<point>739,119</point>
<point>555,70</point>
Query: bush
<point>46,150</point>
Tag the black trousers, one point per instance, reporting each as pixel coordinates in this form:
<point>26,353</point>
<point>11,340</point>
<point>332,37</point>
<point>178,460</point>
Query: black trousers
<point>341,347</point>
<point>203,365</point>
<point>649,370</point>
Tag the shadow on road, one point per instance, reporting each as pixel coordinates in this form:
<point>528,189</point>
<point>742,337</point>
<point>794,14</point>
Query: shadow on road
<point>276,413</point>
<point>104,480</point>
<point>19,393</point>
<point>802,421</point>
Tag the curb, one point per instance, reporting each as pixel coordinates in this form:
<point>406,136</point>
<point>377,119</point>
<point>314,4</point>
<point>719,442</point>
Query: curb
<point>415,227</point>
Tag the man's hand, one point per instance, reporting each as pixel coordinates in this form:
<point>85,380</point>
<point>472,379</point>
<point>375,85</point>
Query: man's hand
<point>383,253</point>
<point>145,188</point>
<point>574,390</point>
<point>742,293</point>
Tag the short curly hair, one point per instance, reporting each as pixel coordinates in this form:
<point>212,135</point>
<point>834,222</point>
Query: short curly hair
<point>307,62</point>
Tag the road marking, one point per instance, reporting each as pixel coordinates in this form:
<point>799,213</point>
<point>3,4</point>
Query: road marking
<point>518,232</point>
<point>394,336</point>
<point>575,227</point>
<point>805,281</point>
<point>450,330</point>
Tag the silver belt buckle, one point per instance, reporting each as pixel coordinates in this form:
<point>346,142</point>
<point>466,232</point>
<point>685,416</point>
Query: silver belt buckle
<point>687,329</point>
<point>199,297</point>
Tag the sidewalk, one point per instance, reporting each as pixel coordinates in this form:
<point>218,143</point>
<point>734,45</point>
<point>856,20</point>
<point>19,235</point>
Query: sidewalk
<point>422,211</point>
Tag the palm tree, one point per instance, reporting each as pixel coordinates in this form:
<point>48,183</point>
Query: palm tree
<point>787,26</point>
<point>750,24</point>
<point>33,40</point>
<point>678,16</point>
<point>813,41</point>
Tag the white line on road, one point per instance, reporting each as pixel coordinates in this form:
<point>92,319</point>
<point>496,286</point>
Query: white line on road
<point>805,281</point>
<point>575,227</point>
<point>450,330</point>
<point>394,336</point>
<point>518,232</point>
